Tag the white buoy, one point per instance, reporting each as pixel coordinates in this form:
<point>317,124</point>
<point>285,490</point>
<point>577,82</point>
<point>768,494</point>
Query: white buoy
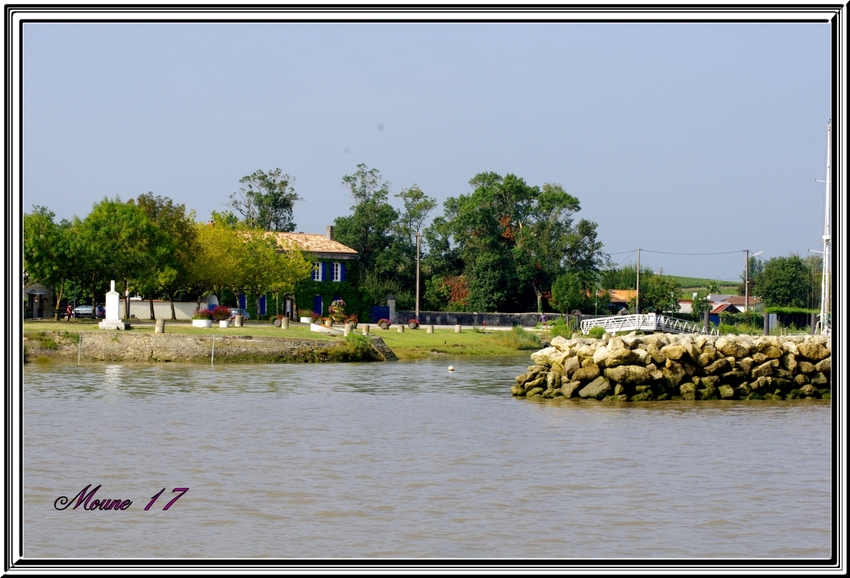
<point>451,368</point>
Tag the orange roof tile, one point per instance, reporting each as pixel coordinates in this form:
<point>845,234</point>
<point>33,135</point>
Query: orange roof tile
<point>317,244</point>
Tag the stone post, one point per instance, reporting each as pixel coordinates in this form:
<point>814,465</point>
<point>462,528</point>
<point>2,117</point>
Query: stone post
<point>401,328</point>
<point>365,330</point>
<point>391,303</point>
<point>429,329</point>
<point>238,320</point>
<point>284,323</point>
<point>346,331</point>
<point>457,328</point>
<point>160,326</point>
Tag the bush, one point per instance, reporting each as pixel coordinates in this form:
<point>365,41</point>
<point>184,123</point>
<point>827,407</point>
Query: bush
<point>596,332</point>
<point>518,338</point>
<point>202,314</point>
<point>221,313</point>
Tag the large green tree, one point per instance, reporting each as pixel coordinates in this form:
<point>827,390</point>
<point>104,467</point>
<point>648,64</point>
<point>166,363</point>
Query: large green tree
<point>122,242</point>
<point>265,200</point>
<point>172,272</point>
<point>48,252</point>
<point>784,282</point>
<point>658,293</point>
<point>513,240</point>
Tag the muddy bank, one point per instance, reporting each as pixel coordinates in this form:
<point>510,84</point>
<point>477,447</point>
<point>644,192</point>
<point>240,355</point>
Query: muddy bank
<point>114,346</point>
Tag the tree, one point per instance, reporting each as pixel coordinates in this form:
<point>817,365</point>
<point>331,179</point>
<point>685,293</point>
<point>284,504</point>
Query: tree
<point>417,207</point>
<point>266,266</point>
<point>265,201</point>
<point>624,277</point>
<point>568,293</point>
<point>172,273</point>
<point>48,255</point>
<point>658,293</point>
<point>369,229</point>
<point>700,305</point>
<point>215,265</point>
<point>123,242</point>
<point>784,282</point>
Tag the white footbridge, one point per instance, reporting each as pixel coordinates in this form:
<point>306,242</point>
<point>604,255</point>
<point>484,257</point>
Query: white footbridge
<point>645,322</point>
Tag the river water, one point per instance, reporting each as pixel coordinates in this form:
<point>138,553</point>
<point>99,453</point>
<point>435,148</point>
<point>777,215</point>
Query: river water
<point>408,460</point>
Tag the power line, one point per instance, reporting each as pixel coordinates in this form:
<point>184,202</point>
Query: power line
<point>692,254</point>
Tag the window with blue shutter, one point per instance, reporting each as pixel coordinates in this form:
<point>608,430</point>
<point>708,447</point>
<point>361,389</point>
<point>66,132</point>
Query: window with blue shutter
<point>342,271</point>
<point>324,271</point>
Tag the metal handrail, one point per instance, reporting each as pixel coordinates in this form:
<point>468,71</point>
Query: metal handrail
<point>645,322</point>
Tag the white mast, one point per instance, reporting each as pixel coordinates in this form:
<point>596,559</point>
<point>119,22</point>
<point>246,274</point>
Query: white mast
<point>823,321</point>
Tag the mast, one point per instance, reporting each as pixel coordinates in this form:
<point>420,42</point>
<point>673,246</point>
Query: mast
<point>824,290</point>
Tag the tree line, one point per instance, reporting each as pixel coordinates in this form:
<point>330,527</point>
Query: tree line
<point>505,246</point>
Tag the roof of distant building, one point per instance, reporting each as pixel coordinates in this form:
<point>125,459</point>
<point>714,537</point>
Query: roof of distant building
<point>621,295</point>
<point>727,307</point>
<point>319,245</point>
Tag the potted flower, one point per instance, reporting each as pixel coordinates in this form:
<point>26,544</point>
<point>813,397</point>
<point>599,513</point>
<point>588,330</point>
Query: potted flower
<point>328,321</point>
<point>305,316</point>
<point>315,317</point>
<point>222,315</point>
<point>336,310</point>
<point>202,318</point>
<point>384,323</point>
<point>352,320</point>
<point>413,323</point>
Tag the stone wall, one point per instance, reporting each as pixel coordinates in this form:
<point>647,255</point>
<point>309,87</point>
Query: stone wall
<point>688,367</point>
<point>173,347</point>
<point>459,318</point>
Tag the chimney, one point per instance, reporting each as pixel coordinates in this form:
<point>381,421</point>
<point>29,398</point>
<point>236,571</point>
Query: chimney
<point>329,232</point>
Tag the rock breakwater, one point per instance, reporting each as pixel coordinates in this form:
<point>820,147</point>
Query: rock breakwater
<point>662,366</point>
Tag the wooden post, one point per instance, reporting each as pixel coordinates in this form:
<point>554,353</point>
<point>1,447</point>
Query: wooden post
<point>766,323</point>
<point>705,320</point>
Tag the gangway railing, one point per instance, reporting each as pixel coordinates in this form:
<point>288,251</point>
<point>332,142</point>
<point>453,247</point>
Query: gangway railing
<point>645,322</point>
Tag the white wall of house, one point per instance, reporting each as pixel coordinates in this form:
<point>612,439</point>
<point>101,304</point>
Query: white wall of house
<point>162,309</point>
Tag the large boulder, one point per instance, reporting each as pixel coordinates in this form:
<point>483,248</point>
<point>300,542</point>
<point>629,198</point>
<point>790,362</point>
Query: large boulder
<point>674,352</point>
<point>621,356</point>
<point>592,371</point>
<point>813,351</point>
<point>569,388</point>
<point>543,357</point>
<point>727,346</point>
<point>633,374</point>
<point>596,389</point>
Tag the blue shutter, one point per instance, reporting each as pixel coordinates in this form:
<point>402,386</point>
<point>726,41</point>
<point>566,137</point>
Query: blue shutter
<point>262,307</point>
<point>324,271</point>
<point>242,301</point>
<point>342,271</point>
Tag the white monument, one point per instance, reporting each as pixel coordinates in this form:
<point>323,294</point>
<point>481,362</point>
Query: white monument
<point>111,318</point>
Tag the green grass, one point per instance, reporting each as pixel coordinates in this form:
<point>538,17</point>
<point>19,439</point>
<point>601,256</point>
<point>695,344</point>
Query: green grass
<point>412,344</point>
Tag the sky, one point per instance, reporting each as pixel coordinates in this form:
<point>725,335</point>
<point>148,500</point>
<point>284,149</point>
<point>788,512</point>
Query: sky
<point>675,137</point>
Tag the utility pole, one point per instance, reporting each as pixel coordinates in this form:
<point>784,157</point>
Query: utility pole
<point>747,282</point>
<point>418,242</point>
<point>637,290</point>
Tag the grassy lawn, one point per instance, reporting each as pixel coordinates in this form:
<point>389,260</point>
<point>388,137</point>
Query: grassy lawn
<point>412,344</point>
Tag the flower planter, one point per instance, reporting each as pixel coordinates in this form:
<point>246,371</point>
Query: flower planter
<point>201,322</point>
<point>224,323</point>
<point>412,326</point>
<point>383,325</point>
<point>305,320</point>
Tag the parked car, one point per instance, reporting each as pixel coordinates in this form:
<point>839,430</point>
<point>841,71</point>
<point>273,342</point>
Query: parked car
<point>234,311</point>
<point>86,311</point>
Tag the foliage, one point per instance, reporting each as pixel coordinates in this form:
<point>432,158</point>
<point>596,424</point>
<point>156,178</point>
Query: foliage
<point>596,332</point>
<point>784,282</point>
<point>625,277</point>
<point>336,310</point>
<point>265,201</point>
<point>121,242</point>
<point>48,252</point>
<point>518,338</point>
<point>220,313</point>
<point>351,319</point>
<point>700,305</point>
<point>568,294</point>
<point>217,260</point>
<point>512,240</point>
<point>658,294</point>
<point>791,310</point>
<point>172,273</point>
<point>203,314</point>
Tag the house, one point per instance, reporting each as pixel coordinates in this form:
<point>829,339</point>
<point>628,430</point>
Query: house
<point>331,259</point>
<point>39,301</point>
<point>619,299</point>
<point>714,314</point>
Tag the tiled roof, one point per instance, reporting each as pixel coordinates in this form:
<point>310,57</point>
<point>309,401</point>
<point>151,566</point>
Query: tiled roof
<point>738,301</point>
<point>621,295</point>
<point>724,307</point>
<point>312,243</point>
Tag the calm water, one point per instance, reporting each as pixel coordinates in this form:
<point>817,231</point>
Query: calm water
<point>408,460</point>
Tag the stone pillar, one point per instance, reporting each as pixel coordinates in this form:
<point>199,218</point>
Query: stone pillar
<point>401,328</point>
<point>365,330</point>
<point>346,331</point>
<point>429,329</point>
<point>160,326</point>
<point>391,303</point>
<point>457,328</point>
<point>284,323</point>
<point>238,320</point>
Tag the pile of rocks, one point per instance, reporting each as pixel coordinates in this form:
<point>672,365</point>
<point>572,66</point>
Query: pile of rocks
<point>663,366</point>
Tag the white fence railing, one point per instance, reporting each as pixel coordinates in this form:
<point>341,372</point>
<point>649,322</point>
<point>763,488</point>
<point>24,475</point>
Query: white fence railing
<point>645,322</point>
